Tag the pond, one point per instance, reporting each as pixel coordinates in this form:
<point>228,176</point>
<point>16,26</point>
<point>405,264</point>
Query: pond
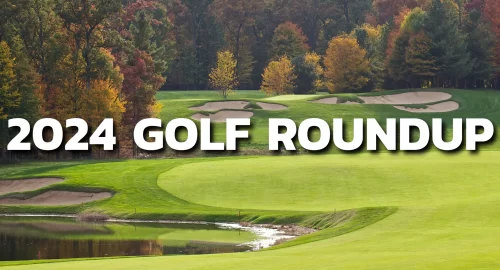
<point>36,238</point>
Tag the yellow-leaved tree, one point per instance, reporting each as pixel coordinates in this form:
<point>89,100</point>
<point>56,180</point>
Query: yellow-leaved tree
<point>314,60</point>
<point>223,76</point>
<point>9,96</point>
<point>278,77</point>
<point>347,67</point>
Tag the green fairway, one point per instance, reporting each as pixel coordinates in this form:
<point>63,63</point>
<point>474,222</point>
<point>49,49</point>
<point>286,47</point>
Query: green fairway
<point>427,210</point>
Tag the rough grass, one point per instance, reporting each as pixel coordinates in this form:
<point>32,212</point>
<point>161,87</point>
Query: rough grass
<point>344,98</point>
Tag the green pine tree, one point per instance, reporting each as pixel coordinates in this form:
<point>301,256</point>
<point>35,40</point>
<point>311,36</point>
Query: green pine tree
<point>449,46</point>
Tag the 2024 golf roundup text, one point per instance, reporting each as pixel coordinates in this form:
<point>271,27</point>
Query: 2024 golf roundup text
<point>282,131</point>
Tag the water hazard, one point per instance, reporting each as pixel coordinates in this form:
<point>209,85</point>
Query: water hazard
<point>35,238</point>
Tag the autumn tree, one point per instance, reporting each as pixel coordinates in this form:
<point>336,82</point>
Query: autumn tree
<point>288,40</point>
<point>143,54</point>
<point>411,61</point>
<point>278,77</point>
<point>388,9</point>
<point>9,96</point>
<point>223,76</point>
<point>85,21</point>
<point>372,39</point>
<point>347,68</point>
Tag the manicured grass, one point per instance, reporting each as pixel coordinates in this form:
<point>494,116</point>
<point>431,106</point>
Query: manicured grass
<point>473,104</point>
<point>137,194</point>
<point>446,219</point>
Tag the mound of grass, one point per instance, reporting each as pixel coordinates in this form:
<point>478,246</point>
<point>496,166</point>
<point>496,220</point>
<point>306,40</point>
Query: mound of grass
<point>416,106</point>
<point>344,98</point>
<point>252,106</point>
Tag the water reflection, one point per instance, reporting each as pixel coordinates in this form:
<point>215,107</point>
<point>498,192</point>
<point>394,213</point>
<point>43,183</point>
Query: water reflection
<point>34,238</point>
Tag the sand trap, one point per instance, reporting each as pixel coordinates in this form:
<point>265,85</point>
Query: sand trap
<point>10,186</point>
<point>222,116</point>
<point>58,198</point>
<point>271,106</point>
<point>222,105</point>
<point>291,97</point>
<point>397,99</point>
<point>448,106</point>
<point>330,100</point>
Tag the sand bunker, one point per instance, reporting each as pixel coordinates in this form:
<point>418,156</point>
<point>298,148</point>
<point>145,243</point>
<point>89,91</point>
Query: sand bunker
<point>222,116</point>
<point>10,186</point>
<point>58,198</point>
<point>330,100</point>
<point>271,106</point>
<point>396,99</point>
<point>448,106</point>
<point>221,105</point>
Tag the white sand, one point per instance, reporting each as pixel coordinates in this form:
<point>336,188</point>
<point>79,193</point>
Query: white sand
<point>222,116</point>
<point>448,106</point>
<point>58,198</point>
<point>271,106</point>
<point>396,99</point>
<point>221,105</point>
<point>22,185</point>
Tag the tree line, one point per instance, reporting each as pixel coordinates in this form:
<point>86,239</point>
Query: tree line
<point>94,59</point>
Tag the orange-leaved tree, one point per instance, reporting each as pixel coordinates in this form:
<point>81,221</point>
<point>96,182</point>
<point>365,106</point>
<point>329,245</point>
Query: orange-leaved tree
<point>278,77</point>
<point>223,76</point>
<point>347,68</point>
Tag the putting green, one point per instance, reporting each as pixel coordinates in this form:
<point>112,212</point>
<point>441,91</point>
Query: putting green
<point>326,183</point>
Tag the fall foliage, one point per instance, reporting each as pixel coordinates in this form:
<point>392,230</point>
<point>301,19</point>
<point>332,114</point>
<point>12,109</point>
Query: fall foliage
<point>9,97</point>
<point>223,76</point>
<point>347,68</point>
<point>278,77</point>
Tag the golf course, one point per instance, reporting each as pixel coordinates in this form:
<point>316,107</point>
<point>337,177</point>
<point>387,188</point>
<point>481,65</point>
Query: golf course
<point>371,210</point>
